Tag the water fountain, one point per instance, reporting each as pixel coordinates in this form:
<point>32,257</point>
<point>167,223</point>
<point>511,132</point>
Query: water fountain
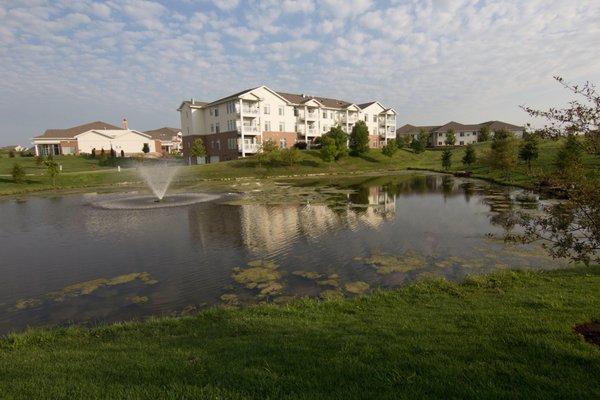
<point>158,177</point>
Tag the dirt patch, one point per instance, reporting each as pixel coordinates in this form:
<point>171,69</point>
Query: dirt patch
<point>590,332</point>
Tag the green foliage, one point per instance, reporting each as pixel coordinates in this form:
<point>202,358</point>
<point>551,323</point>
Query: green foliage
<point>484,134</point>
<point>419,143</point>
<point>450,138</point>
<point>446,159</point>
<point>145,148</point>
<point>198,149</point>
<point>503,155</point>
<point>340,140</point>
<point>11,154</point>
<point>52,169</point>
<point>529,149</point>
<point>328,149</point>
<point>359,139</point>
<point>122,154</point>
<point>405,141</point>
<point>18,173</point>
<point>470,156</point>
<point>269,153</point>
<point>290,156</point>
<point>390,148</point>
<point>569,157</point>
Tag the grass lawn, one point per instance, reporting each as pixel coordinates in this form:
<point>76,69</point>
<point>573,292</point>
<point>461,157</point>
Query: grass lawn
<point>82,172</point>
<point>507,335</point>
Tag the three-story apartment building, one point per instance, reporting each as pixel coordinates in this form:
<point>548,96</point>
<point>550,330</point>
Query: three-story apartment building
<point>238,124</point>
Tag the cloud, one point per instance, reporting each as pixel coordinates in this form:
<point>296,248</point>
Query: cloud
<point>226,5</point>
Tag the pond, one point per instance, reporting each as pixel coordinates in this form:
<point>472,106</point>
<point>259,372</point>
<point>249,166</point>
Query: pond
<point>65,261</point>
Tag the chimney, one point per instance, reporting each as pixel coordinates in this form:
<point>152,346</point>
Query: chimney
<point>124,124</point>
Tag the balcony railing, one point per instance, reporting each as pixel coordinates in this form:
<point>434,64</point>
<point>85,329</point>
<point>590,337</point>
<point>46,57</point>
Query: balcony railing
<point>248,129</point>
<point>308,116</point>
<point>248,146</point>
<point>250,111</point>
<point>311,131</point>
<point>351,118</point>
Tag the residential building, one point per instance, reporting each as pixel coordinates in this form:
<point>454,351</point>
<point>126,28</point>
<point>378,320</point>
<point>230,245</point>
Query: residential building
<point>170,139</point>
<point>238,124</point>
<point>98,135</point>
<point>464,134</point>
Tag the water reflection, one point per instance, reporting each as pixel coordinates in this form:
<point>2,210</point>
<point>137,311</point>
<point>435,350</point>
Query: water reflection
<point>355,234</point>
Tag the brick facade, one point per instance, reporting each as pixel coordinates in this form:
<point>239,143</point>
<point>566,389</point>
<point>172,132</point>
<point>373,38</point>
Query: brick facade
<point>290,138</point>
<point>374,141</point>
<point>216,144</point>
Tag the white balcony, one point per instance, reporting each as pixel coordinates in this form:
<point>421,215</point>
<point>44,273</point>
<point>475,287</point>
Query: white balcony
<point>309,116</point>
<point>350,118</point>
<point>250,111</point>
<point>248,129</point>
<point>249,146</point>
<point>311,131</point>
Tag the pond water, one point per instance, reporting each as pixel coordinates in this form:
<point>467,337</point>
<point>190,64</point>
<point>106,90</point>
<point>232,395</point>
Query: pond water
<point>66,261</point>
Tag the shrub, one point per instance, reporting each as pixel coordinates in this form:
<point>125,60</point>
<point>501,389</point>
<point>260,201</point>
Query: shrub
<point>484,134</point>
<point>390,148</point>
<point>340,140</point>
<point>359,139</point>
<point>122,154</point>
<point>290,156</point>
<point>18,173</point>
<point>470,157</point>
<point>328,149</point>
<point>11,154</point>
<point>446,159</point>
<point>146,148</point>
<point>93,155</point>
<point>503,155</point>
<point>450,138</point>
<point>568,158</point>
<point>301,145</point>
<point>529,150</point>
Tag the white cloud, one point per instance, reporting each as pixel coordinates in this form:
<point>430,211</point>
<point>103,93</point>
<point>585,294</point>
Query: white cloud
<point>293,6</point>
<point>226,5</point>
<point>100,10</point>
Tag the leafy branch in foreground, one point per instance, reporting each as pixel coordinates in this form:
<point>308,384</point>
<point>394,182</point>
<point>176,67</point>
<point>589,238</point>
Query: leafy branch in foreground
<point>580,117</point>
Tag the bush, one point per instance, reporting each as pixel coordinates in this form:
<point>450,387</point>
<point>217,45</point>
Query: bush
<point>419,142</point>
<point>568,158</point>
<point>18,173</point>
<point>301,145</point>
<point>146,148</point>
<point>11,154</point>
<point>470,157</point>
<point>340,140</point>
<point>93,155</point>
<point>290,156</point>
<point>122,154</point>
<point>503,155</point>
<point>446,159</point>
<point>390,148</point>
<point>359,139</point>
<point>328,149</point>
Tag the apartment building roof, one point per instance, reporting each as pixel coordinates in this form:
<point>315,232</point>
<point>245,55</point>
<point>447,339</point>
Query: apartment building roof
<point>325,101</point>
<point>70,133</point>
<point>457,127</point>
<point>164,133</point>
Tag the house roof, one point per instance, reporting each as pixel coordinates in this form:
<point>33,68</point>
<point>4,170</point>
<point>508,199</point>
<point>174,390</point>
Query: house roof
<point>365,105</point>
<point>164,133</point>
<point>193,103</point>
<point>115,133</point>
<point>457,127</point>
<point>303,98</point>
<point>70,133</point>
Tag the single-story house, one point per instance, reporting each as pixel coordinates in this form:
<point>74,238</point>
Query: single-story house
<point>464,133</point>
<point>170,138</point>
<point>98,135</point>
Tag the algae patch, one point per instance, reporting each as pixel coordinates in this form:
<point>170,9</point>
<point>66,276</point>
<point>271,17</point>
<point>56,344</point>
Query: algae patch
<point>260,275</point>
<point>358,287</point>
<point>387,264</point>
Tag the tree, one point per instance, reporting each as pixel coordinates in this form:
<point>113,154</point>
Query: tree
<point>484,134</point>
<point>18,173</point>
<point>102,153</point>
<point>198,149</point>
<point>502,154</point>
<point>93,153</point>
<point>580,117</point>
<point>113,153</point>
<point>450,137</point>
<point>340,140</point>
<point>529,150</point>
<point>328,149</point>
<point>390,148</point>
<point>446,159</point>
<point>145,148</point>
<point>470,157</point>
<point>568,158</point>
<point>52,169</point>
<point>359,139</point>
<point>290,156</point>
<point>122,154</point>
<point>405,141</point>
<point>419,143</point>
<point>11,154</point>
<point>268,153</point>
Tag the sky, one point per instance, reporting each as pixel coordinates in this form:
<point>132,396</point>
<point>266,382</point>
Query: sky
<point>64,62</point>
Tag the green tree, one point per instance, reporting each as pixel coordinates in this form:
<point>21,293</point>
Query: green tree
<point>450,137</point>
<point>470,157</point>
<point>359,139</point>
<point>328,149</point>
<point>569,157</point>
<point>290,156</point>
<point>446,159</point>
<point>484,134</point>
<point>529,149</point>
<point>198,149</point>
<point>341,141</point>
<point>502,154</point>
<point>145,148</point>
<point>268,154</point>
<point>390,148</point>
<point>18,173</point>
<point>419,142</point>
<point>52,169</point>
<point>93,154</point>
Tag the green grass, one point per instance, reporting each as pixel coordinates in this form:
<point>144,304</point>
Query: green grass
<point>82,172</point>
<point>507,335</point>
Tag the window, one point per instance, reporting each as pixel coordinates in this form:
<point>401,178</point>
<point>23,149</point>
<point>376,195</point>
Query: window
<point>217,127</point>
<point>281,127</point>
<point>218,144</point>
<point>267,126</point>
<point>267,109</point>
<point>324,114</point>
<point>296,112</point>
<point>281,110</point>
<point>212,144</point>
<point>462,134</point>
<point>331,115</point>
<point>324,128</point>
<point>282,143</point>
<point>212,128</point>
<point>366,118</point>
<point>232,143</point>
<point>374,118</point>
<point>216,112</point>
<point>188,130</point>
<point>461,142</point>
<point>439,143</point>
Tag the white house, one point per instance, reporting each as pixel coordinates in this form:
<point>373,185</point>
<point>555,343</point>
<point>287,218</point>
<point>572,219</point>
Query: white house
<point>126,140</point>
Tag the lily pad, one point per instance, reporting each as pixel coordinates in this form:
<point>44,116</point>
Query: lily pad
<point>308,274</point>
<point>331,294</point>
<point>257,273</point>
<point>358,287</point>
<point>387,264</point>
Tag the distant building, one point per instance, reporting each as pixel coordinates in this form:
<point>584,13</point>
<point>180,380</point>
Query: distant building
<point>465,134</point>
<point>170,138</point>
<point>238,124</point>
<point>98,135</point>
